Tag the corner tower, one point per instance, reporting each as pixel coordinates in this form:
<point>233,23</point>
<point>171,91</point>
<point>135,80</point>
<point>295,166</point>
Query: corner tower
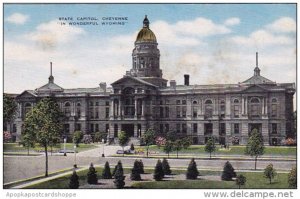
<point>145,57</point>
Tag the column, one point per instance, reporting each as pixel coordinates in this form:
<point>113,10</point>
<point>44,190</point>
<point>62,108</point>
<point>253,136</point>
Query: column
<point>135,130</point>
<point>200,133</point>
<point>112,108</point>
<point>135,107</point>
<point>143,107</point>
<point>266,106</point>
<point>243,105</point>
<point>119,108</point>
<point>228,105</point>
<point>246,105</point>
<point>263,106</point>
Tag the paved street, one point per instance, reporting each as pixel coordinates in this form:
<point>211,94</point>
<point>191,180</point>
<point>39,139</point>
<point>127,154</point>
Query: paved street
<point>20,167</point>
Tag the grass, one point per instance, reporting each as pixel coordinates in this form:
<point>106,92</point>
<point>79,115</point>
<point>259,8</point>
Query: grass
<point>233,150</point>
<point>17,149</point>
<point>255,180</point>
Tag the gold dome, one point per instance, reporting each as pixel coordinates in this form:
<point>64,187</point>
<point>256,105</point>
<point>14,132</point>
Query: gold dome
<point>145,34</point>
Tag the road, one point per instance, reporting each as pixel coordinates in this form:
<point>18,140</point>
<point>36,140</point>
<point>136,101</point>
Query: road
<point>22,167</point>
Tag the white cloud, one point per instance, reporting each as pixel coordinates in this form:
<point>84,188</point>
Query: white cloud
<point>17,18</point>
<point>50,34</point>
<point>232,21</point>
<point>284,24</point>
<point>262,38</point>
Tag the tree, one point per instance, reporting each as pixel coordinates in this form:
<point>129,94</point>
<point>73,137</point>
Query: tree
<point>27,141</point>
<point>74,182</point>
<point>168,147</point>
<point>270,172</point>
<point>141,167</point>
<point>123,140</point>
<point>210,146</point>
<point>99,136</point>
<point>228,172</point>
<point>186,142</point>
<point>148,139</point>
<point>177,145</point>
<point>192,171</point>
<point>43,125</point>
<point>135,171</point>
<point>166,167</point>
<point>158,171</point>
<point>116,167</point>
<point>292,178</point>
<point>119,176</point>
<point>77,136</point>
<point>255,146</point>
<point>87,139</point>
<point>240,180</point>
<point>92,177</point>
<point>9,108</point>
<point>106,174</point>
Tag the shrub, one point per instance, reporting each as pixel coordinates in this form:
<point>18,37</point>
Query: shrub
<point>240,180</point>
<point>228,172</point>
<point>159,141</point>
<point>119,176</point>
<point>87,139</point>
<point>97,137</point>
<point>135,172</point>
<point>91,175</point>
<point>292,178</point>
<point>166,167</point>
<point>192,171</point>
<point>289,142</point>
<point>210,146</point>
<point>74,182</point>
<point>235,140</point>
<point>106,174</point>
<point>132,147</point>
<point>270,172</point>
<point>158,172</point>
<point>141,167</point>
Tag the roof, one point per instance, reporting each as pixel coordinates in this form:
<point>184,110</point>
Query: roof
<point>135,79</point>
<point>257,79</point>
<point>50,86</point>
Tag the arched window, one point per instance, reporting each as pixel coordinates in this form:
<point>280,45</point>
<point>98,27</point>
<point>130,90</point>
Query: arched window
<point>255,107</point>
<point>67,109</point>
<point>208,109</point>
<point>222,106</point>
<point>236,101</point>
<point>274,100</point>
<point>195,102</point>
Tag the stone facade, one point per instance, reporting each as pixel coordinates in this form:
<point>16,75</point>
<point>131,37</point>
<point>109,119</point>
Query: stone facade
<point>142,99</point>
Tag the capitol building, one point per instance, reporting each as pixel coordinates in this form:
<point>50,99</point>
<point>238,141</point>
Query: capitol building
<point>143,99</point>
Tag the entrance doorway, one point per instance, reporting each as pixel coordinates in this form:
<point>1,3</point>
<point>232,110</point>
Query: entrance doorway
<point>129,129</point>
<point>256,126</point>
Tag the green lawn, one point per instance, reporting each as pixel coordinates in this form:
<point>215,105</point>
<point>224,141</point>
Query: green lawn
<point>234,150</point>
<point>15,148</point>
<point>254,180</point>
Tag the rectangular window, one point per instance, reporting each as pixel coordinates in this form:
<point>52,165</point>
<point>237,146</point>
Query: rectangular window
<point>274,128</point>
<point>273,110</point>
<point>255,111</point>
<point>161,112</point>
<point>178,111</point>
<point>236,110</point>
<point>97,103</point>
<point>195,128</point>
<point>91,113</point>
<point>92,128</point>
<point>97,114</point>
<point>177,101</point>
<point>14,128</point>
<point>96,127</point>
<point>208,127</point>
<point>106,103</point>
<point>106,128</point>
<point>161,128</point>
<point>167,112</point>
<point>67,128</point>
<point>222,130</point>
<point>184,129</point>
<point>177,128</point>
<point>167,127</point>
<point>236,128</point>
<point>183,101</point>
<point>78,127</point>
<point>184,111</point>
<point>116,130</point>
<point>195,113</point>
<point>107,112</point>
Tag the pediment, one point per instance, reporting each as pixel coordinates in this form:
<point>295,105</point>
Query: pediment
<point>26,94</point>
<point>131,82</point>
<point>255,89</point>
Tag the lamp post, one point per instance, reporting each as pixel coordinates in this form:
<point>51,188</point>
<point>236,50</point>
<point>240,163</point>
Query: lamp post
<point>75,165</point>
<point>107,139</point>
<point>65,140</point>
<point>103,148</point>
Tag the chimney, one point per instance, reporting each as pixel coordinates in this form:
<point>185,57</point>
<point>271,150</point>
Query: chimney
<point>173,84</point>
<point>186,80</point>
<point>103,86</point>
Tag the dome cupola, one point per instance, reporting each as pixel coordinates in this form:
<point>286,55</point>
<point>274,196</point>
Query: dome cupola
<point>145,34</point>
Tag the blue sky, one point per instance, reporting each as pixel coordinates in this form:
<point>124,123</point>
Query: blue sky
<point>215,43</point>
